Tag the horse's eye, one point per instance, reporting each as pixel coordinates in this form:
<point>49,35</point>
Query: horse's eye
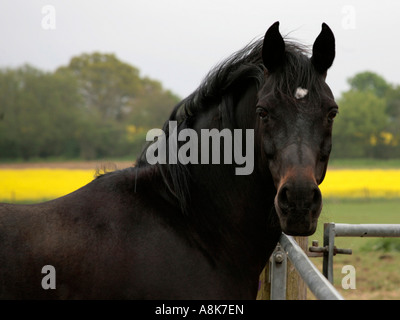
<point>262,113</point>
<point>332,114</point>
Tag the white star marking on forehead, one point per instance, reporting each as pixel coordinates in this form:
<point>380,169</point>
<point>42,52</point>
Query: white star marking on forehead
<point>300,93</point>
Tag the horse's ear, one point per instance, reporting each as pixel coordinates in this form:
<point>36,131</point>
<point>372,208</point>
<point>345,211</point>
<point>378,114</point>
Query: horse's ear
<point>323,52</point>
<point>273,50</point>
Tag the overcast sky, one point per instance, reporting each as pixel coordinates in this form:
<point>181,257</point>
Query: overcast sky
<point>178,41</point>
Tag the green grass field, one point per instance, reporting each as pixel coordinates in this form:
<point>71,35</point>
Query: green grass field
<point>358,211</point>
<point>377,272</point>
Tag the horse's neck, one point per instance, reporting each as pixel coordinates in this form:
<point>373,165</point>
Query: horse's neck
<point>241,209</point>
<point>238,208</point>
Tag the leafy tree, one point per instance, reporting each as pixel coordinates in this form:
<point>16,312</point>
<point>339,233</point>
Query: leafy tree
<point>369,81</point>
<point>114,90</point>
<point>386,144</point>
<point>107,85</point>
<point>361,119</point>
<point>39,112</point>
<point>393,103</point>
<point>152,108</point>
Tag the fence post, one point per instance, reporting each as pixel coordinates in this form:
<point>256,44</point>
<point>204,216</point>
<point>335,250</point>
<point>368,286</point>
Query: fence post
<point>329,242</point>
<point>264,290</point>
<point>296,289</point>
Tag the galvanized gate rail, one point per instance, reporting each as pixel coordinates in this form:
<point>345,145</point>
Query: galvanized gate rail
<point>332,230</point>
<point>315,280</point>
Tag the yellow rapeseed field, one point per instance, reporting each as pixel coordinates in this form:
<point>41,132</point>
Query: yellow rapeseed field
<point>40,184</point>
<point>362,183</point>
<point>43,184</point>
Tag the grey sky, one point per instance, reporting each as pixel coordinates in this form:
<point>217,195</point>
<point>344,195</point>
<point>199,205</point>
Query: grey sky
<point>178,41</point>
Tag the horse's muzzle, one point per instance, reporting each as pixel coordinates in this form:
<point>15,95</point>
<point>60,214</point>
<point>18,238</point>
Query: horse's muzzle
<point>298,206</point>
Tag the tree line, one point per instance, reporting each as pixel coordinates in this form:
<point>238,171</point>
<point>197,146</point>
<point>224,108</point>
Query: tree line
<point>97,106</point>
<point>368,124</point>
<point>100,107</point>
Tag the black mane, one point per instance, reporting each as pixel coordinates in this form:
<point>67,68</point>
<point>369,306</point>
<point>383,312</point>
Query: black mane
<point>222,87</point>
<point>243,66</point>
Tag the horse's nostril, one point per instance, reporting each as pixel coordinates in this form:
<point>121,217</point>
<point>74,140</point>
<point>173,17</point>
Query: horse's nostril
<point>283,197</point>
<point>317,197</point>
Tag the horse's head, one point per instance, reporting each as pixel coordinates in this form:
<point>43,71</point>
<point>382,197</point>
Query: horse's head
<point>295,112</point>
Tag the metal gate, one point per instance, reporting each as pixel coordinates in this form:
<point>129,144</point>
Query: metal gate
<point>319,284</point>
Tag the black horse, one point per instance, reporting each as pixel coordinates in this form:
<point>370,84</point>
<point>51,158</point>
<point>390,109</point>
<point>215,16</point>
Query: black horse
<point>190,231</point>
